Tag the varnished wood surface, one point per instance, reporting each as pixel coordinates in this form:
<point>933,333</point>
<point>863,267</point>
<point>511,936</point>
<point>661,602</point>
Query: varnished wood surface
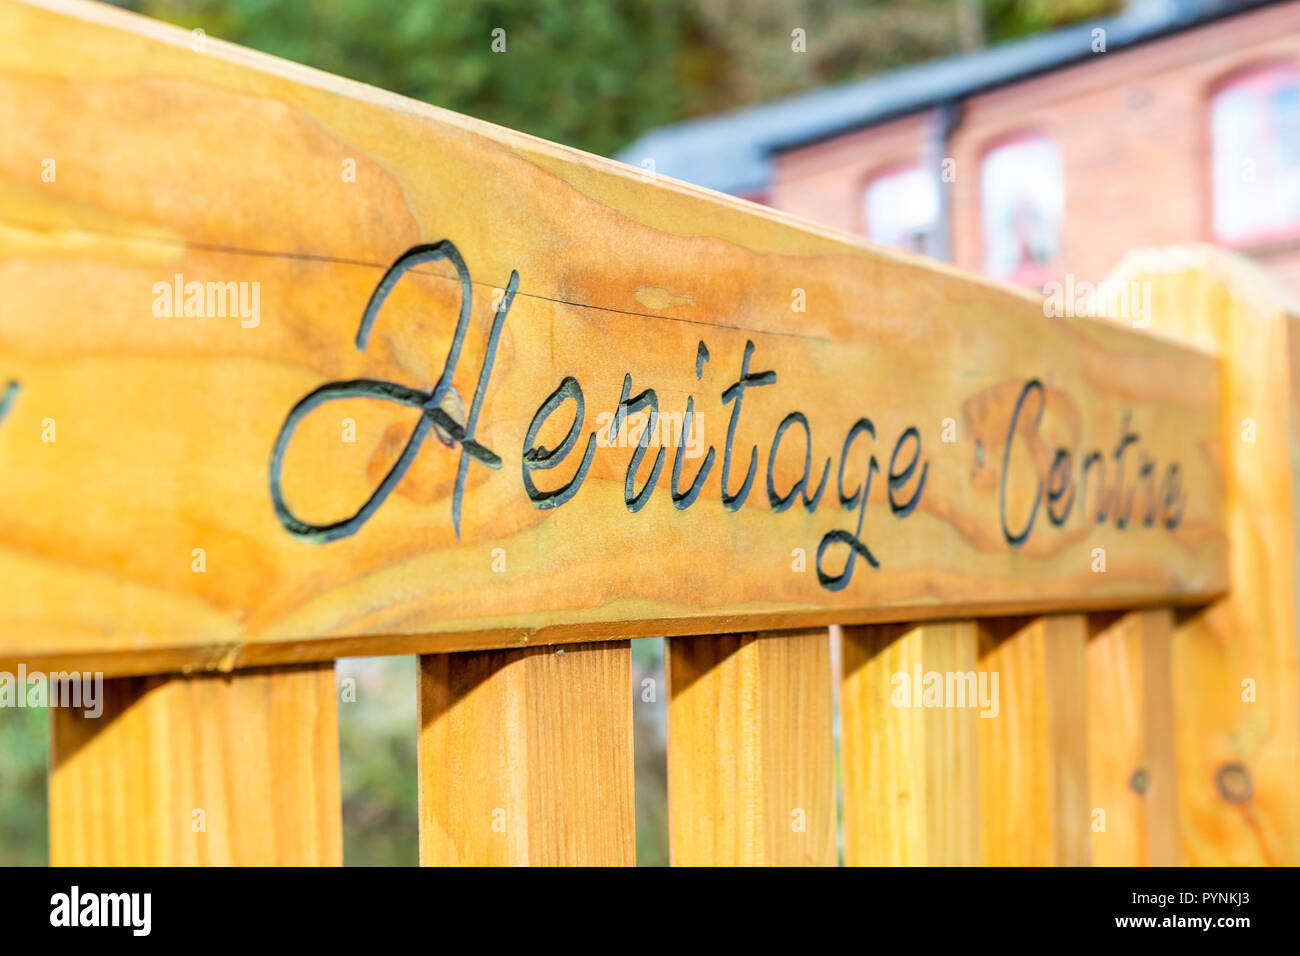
<point>1236,666</point>
<point>220,770</point>
<point>751,762</point>
<point>1033,762</point>
<point>526,757</point>
<point>1132,766</point>
<point>223,165</point>
<point>910,765</point>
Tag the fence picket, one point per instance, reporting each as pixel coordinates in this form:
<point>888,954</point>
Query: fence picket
<point>239,769</point>
<point>750,751</point>
<point>1033,759</point>
<point>526,756</point>
<point>910,771</point>
<point>1131,762</point>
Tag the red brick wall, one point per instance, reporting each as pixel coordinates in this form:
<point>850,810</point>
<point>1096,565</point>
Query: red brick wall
<point>826,182</point>
<point>1132,127</point>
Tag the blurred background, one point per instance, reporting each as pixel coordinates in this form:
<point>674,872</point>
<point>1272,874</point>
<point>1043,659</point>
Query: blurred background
<point>1027,139</point>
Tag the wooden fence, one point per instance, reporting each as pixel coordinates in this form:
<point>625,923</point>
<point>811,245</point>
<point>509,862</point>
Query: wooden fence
<point>295,369</point>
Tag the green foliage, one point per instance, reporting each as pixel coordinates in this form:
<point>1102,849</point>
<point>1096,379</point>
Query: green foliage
<point>1014,18</point>
<point>24,749</point>
<point>586,72</point>
<point>650,751</point>
<point>377,760</point>
<point>596,73</point>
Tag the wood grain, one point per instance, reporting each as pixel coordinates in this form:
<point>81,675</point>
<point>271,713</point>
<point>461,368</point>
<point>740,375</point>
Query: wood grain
<point>1033,757</point>
<point>1235,665</point>
<point>910,770</point>
<point>226,166</point>
<point>751,760</point>
<point>237,770</point>
<point>1132,767</point>
<point>526,757</point>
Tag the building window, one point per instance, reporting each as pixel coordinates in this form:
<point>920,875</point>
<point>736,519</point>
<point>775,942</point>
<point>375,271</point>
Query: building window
<point>902,209</point>
<point>1255,156</point>
<point>1022,208</point>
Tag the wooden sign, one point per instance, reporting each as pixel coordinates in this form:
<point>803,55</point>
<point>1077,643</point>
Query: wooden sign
<point>294,368</point>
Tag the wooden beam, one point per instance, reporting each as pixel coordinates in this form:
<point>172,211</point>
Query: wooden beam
<point>526,757</point>
<point>230,770</point>
<point>340,358</point>
<point>910,764</point>
<point>1132,774</point>
<point>1033,757</point>
<point>751,759</point>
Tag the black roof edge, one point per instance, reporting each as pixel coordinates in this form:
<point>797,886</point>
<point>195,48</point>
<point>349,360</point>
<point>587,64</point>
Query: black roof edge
<point>1176,29</point>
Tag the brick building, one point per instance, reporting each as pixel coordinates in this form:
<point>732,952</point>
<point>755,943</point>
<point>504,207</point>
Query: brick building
<point>1173,122</point>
